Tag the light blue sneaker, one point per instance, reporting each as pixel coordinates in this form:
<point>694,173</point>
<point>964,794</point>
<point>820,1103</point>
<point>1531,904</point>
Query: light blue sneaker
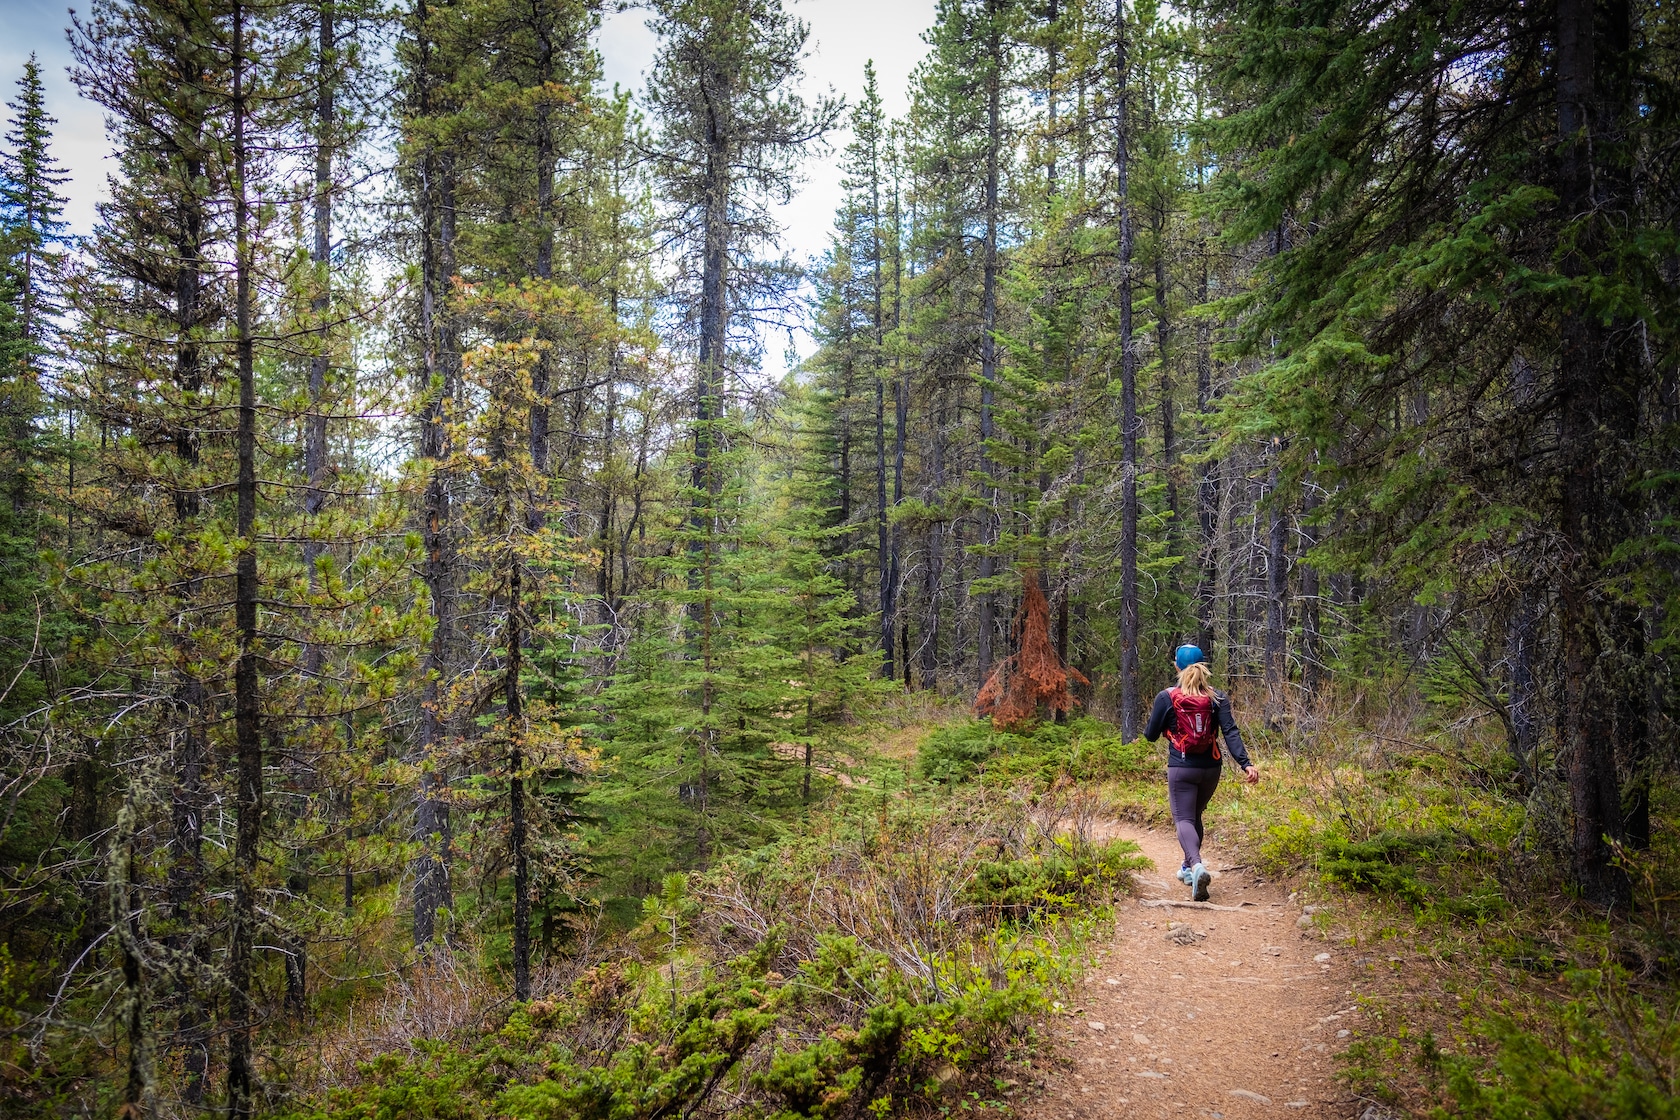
<point>1199,880</point>
<point>1184,875</point>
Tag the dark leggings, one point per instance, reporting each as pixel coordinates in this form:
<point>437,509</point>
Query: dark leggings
<point>1189,789</point>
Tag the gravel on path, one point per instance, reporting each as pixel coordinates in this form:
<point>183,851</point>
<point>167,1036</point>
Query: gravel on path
<point>1192,1013</point>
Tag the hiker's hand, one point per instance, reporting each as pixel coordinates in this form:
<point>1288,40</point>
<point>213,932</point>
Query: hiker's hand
<point>1251,775</point>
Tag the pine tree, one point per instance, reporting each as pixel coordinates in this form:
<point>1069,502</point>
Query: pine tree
<point>30,179</point>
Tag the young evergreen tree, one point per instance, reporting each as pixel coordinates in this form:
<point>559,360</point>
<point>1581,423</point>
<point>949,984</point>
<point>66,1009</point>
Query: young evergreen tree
<point>731,130</point>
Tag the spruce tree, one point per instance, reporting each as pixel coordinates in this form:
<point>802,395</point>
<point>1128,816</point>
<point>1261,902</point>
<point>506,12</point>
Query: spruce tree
<point>1491,285</point>
<point>30,179</point>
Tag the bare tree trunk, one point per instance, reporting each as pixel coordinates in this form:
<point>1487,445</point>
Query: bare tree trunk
<point>140,1086</point>
<point>933,578</point>
<point>516,786</point>
<point>1277,598</point>
<point>901,411</point>
<point>1163,346</point>
<point>1207,490</point>
<point>1523,704</point>
<point>1312,655</point>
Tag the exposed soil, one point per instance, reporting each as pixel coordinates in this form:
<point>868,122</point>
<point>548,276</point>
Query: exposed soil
<point>1236,1015</point>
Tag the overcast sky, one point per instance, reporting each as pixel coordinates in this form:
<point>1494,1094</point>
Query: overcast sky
<point>844,35</point>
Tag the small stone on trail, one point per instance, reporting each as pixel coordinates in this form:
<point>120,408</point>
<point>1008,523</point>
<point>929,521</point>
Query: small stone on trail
<point>1094,1025</point>
<point>1250,1095</point>
<point>1321,958</point>
<point>1296,1104</point>
<point>1343,1033</point>
<point>1180,933</point>
<point>1111,980</point>
<point>1140,1039</point>
<point>1304,921</point>
<point>1151,1074</point>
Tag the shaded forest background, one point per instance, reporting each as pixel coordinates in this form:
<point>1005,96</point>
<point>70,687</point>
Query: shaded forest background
<point>407,567</point>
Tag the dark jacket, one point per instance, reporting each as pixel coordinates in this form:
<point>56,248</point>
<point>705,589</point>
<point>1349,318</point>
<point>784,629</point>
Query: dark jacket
<point>1163,718</point>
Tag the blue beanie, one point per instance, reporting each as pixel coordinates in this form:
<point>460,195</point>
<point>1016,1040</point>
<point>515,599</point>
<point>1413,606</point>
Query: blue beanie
<point>1188,656</point>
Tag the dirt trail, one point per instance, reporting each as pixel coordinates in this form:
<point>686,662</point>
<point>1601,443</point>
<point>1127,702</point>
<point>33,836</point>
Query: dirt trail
<point>1239,1022</point>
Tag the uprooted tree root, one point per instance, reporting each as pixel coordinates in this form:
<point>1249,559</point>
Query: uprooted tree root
<point>1033,675</point>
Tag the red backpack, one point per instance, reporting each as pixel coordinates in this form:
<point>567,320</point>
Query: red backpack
<point>1195,730</point>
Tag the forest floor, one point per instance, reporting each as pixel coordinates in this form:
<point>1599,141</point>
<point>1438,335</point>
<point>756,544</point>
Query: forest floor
<point>1235,1013</point>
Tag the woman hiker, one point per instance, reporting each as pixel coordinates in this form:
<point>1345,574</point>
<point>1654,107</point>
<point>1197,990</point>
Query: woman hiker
<point>1193,716</point>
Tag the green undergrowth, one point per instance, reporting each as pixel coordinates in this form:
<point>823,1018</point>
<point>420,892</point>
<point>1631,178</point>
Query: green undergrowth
<point>1489,990</point>
<point>884,961</point>
<point>1083,750</point>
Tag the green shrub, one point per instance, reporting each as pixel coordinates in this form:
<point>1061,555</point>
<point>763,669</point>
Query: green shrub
<point>954,754</point>
<point>1289,844</point>
<point>1085,750</point>
<point>1582,1067</point>
<point>1065,878</point>
<point>1382,864</point>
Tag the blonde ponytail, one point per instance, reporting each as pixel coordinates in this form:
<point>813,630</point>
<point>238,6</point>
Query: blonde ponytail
<point>1193,680</point>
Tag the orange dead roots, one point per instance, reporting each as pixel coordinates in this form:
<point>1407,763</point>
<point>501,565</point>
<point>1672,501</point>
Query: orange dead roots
<point>1033,675</point>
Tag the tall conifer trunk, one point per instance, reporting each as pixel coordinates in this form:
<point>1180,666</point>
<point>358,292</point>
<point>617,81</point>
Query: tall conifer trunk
<point>714,319</point>
<point>1599,399</point>
<point>1128,394</point>
<point>1163,347</point>
<point>186,873</point>
<point>901,416</point>
<point>988,343</point>
<point>441,364</point>
<point>542,373</point>
<point>248,751</point>
<point>315,422</point>
<point>934,573</point>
